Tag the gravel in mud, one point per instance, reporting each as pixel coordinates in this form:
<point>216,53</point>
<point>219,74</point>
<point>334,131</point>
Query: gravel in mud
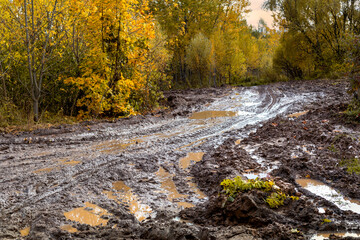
<point>158,176</point>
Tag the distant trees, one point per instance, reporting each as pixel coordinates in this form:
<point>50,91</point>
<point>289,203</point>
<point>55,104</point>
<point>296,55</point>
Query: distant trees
<point>315,32</point>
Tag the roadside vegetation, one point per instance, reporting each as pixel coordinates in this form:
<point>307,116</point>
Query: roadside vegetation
<point>352,165</point>
<point>88,59</point>
<point>233,187</point>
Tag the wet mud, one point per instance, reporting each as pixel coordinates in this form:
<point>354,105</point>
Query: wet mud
<point>158,176</point>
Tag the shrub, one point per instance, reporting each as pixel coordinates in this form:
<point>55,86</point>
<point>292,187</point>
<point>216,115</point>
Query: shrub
<point>232,187</point>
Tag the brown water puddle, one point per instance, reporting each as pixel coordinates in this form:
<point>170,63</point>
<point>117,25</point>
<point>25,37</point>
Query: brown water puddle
<point>125,195</point>
<point>168,184</point>
<point>185,204</point>
<point>116,146</point>
<point>296,115</point>
<point>186,161</point>
<point>326,235</point>
<point>68,228</point>
<point>304,182</point>
<point>24,232</point>
<point>43,170</point>
<point>212,114</point>
<point>90,214</point>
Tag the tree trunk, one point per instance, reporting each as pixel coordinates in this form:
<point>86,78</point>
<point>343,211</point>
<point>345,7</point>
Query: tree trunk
<point>3,81</point>
<point>4,87</point>
<point>36,110</point>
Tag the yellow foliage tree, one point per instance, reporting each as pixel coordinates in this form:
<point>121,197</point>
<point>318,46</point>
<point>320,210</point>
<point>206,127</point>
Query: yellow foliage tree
<point>117,35</point>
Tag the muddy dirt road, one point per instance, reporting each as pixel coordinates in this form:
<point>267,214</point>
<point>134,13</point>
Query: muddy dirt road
<point>157,176</point>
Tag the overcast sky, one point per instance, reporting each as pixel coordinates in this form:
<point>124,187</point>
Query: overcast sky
<point>254,16</point>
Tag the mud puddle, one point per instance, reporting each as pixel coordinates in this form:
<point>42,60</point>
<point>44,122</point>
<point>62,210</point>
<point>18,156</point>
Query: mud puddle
<point>69,228</point>
<point>326,235</point>
<point>330,194</point>
<point>168,186</point>
<point>185,162</point>
<point>24,232</point>
<point>114,146</point>
<point>125,195</point>
<point>90,214</point>
<point>212,114</point>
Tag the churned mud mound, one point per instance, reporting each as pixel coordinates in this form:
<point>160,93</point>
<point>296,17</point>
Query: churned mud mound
<point>158,176</point>
<point>295,151</point>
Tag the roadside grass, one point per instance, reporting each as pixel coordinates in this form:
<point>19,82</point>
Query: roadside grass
<point>352,165</point>
<point>257,81</point>
<point>26,124</point>
<point>13,119</point>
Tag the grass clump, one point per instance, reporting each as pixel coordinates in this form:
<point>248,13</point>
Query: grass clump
<point>325,220</point>
<point>232,187</point>
<point>352,165</point>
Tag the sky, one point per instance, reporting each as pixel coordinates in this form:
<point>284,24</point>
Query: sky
<point>256,13</point>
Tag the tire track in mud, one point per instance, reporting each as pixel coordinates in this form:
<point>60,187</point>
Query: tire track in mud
<point>264,103</point>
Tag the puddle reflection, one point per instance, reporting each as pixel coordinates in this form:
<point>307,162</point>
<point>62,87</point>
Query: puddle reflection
<point>330,194</point>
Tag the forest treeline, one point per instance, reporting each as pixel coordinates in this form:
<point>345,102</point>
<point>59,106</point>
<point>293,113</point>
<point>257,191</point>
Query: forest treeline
<point>96,58</point>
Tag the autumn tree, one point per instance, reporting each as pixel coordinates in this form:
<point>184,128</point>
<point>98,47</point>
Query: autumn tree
<point>183,20</point>
<point>34,31</point>
<point>320,27</point>
<point>199,56</point>
<point>117,36</point>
